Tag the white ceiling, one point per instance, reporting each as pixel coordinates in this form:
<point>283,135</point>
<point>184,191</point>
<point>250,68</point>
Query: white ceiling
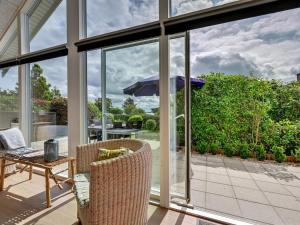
<point>8,9</point>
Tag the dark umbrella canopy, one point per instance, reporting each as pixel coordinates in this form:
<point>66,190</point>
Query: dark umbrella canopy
<point>150,86</point>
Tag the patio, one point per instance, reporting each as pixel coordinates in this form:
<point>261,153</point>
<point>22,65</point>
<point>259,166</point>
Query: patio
<point>257,192</point>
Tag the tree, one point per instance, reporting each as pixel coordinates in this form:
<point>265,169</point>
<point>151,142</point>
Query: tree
<point>129,106</point>
<point>108,104</point>
<point>41,89</point>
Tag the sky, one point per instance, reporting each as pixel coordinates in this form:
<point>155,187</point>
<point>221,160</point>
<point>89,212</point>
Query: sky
<point>267,46</point>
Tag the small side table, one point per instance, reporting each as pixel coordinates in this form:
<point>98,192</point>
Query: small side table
<point>39,163</point>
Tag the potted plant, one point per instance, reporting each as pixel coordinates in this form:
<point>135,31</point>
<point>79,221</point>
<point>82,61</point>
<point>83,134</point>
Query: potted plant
<point>137,121</point>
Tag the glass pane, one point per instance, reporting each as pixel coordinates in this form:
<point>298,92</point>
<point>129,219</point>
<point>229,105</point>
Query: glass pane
<point>9,92</point>
<point>9,43</point>
<point>177,118</point>
<point>94,96</point>
<point>136,115</point>
<point>47,24</point>
<point>126,115</point>
<point>107,16</point>
<point>49,100</point>
<point>179,7</point>
<point>247,112</point>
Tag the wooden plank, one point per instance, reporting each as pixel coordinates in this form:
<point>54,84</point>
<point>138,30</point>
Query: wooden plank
<point>2,173</point>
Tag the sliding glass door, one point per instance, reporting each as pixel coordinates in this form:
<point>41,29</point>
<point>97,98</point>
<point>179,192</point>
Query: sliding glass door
<point>125,103</point>
<point>179,120</point>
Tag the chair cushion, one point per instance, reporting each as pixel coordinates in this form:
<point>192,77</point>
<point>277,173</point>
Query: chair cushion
<point>12,139</point>
<point>82,188</point>
<point>112,153</point>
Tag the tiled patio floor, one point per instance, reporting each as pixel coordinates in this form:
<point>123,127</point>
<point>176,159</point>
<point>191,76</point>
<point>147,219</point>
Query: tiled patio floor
<point>258,192</point>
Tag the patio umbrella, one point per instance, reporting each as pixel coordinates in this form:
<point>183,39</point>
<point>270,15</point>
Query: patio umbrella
<point>150,86</point>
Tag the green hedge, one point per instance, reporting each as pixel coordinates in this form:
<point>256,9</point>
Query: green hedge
<point>244,109</point>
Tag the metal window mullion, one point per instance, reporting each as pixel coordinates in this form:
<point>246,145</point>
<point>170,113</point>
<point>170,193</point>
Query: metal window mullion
<point>103,94</point>
<point>188,118</point>
<point>164,84</point>
<point>25,119</point>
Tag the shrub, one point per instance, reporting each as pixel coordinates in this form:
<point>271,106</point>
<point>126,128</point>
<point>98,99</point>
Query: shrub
<point>202,147</point>
<point>244,150</point>
<point>213,148</point>
<point>260,152</point>
<point>279,154</point>
<point>229,150</point>
<point>150,125</point>
<point>59,105</point>
<point>297,154</point>
<point>135,118</point>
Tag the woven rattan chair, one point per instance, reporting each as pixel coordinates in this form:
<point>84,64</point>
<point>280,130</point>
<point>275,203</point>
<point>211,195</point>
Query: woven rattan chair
<point>119,188</point>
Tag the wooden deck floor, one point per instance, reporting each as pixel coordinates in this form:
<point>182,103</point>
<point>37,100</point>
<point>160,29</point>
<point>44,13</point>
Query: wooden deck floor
<point>23,202</point>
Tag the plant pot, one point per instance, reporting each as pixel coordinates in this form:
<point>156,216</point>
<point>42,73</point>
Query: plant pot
<point>291,158</point>
<point>270,156</point>
<point>118,125</point>
<point>129,125</point>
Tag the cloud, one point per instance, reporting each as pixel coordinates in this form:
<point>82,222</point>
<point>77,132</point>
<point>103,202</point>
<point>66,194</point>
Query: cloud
<point>231,63</point>
<point>106,16</point>
<point>268,45</point>
<point>53,32</point>
<point>185,6</point>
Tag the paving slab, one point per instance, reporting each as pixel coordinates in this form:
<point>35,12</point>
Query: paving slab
<point>222,204</point>
<point>283,201</point>
<point>272,187</point>
<point>294,190</point>
<point>200,175</point>
<point>217,170</point>
<point>264,177</point>
<point>259,212</point>
<point>216,178</point>
<point>294,181</point>
<point>220,189</point>
<point>215,159</point>
<point>198,198</point>
<point>289,217</point>
<point>239,173</point>
<point>250,195</point>
<point>246,183</point>
<point>198,185</point>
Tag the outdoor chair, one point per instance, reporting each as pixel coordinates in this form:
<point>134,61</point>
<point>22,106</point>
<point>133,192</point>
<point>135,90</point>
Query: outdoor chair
<point>114,191</point>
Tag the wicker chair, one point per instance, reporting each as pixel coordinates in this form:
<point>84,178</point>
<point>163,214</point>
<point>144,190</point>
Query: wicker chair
<point>119,188</point>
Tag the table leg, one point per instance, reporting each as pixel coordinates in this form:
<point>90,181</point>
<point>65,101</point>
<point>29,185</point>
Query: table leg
<point>72,170</point>
<point>48,194</point>
<point>30,172</point>
<point>2,174</point>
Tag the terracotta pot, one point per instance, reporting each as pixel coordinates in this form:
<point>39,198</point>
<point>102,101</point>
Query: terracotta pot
<point>291,158</point>
<point>270,156</point>
<point>220,151</point>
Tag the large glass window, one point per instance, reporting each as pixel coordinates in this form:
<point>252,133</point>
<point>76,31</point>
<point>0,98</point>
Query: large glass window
<point>49,101</point>
<point>116,110</point>
<point>247,112</point>
<point>47,24</point>
<point>179,7</point>
<point>9,92</point>
<point>107,16</point>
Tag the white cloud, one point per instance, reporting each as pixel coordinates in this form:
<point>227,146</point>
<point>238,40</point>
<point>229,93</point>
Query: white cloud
<point>267,45</point>
<point>185,6</point>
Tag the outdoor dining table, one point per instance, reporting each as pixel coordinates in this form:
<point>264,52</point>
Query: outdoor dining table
<point>115,132</point>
